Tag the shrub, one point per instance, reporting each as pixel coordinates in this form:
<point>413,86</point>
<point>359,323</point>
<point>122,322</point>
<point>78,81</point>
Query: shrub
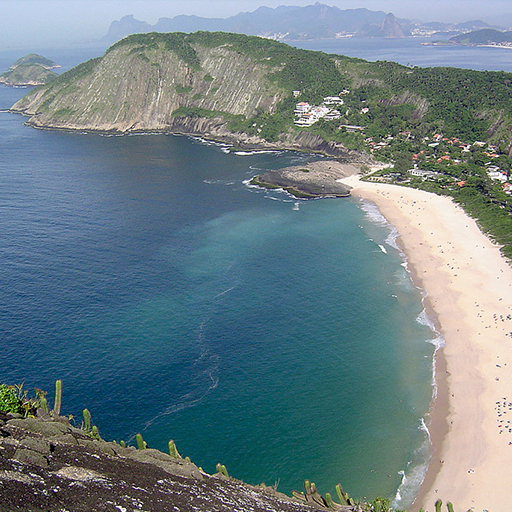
<point>9,401</point>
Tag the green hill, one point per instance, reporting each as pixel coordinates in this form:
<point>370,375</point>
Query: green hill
<point>34,58</point>
<point>32,69</point>
<point>484,36</point>
<point>223,84</point>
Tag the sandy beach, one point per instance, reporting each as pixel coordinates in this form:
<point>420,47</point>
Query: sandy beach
<point>469,294</point>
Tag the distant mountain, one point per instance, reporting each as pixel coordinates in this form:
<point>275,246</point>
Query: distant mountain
<point>390,28</point>
<point>125,26</point>
<point>294,23</point>
<point>484,36</point>
<point>316,21</point>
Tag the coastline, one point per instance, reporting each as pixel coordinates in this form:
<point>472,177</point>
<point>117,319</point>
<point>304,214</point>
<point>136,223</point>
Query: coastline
<point>467,282</point>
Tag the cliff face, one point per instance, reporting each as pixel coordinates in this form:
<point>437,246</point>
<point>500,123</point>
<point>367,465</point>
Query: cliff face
<point>135,87</point>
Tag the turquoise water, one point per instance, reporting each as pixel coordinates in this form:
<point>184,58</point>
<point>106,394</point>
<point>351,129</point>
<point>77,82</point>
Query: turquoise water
<point>278,337</point>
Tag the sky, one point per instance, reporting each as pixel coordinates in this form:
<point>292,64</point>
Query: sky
<point>40,23</point>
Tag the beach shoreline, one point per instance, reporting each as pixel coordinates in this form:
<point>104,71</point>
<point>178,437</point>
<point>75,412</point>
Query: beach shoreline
<point>468,287</point>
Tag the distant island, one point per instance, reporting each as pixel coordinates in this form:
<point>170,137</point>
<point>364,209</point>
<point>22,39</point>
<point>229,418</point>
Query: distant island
<point>32,69</point>
<point>485,36</point>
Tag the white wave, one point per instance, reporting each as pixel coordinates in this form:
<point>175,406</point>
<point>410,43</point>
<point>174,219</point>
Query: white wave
<point>383,249</point>
<point>248,184</point>
<point>256,152</point>
<point>423,319</point>
<point>391,239</point>
<point>219,182</point>
<point>414,474</point>
<point>373,213</point>
<point>206,142</point>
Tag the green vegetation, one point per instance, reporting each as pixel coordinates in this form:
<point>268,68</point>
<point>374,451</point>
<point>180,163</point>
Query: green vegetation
<point>34,58</point>
<point>27,74</point>
<point>177,42</point>
<point>58,398</point>
<point>141,444</point>
<point>183,89</point>
<point>9,401</point>
<point>77,73</point>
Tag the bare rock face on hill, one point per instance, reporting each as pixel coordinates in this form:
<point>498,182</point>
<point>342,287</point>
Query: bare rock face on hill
<point>50,465</point>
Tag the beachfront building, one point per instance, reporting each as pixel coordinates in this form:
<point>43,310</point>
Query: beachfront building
<point>422,174</point>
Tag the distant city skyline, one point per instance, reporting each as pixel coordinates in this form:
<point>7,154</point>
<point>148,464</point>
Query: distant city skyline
<point>40,23</point>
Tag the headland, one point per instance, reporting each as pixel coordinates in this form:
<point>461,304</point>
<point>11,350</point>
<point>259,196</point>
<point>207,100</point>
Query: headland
<point>314,180</point>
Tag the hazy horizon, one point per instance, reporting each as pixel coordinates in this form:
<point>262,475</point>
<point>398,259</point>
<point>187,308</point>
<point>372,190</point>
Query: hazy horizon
<point>43,23</point>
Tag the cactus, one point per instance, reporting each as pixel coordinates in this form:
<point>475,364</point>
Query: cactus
<point>438,505</point>
<point>299,495</point>
<point>341,495</point>
<point>173,451</point>
<point>449,506</point>
<point>307,487</point>
<point>222,470</point>
<point>95,433</point>
<point>313,488</point>
<point>122,443</point>
<point>328,500</point>
<point>43,403</point>
<point>188,459</point>
<point>58,398</point>
<point>377,507</point>
<point>141,444</point>
<point>87,420</point>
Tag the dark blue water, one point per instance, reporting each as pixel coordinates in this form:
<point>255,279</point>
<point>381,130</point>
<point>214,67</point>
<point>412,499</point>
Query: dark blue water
<point>175,301</point>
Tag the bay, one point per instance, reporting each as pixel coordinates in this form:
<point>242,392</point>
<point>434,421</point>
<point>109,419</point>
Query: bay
<point>176,301</point>
<point>412,51</point>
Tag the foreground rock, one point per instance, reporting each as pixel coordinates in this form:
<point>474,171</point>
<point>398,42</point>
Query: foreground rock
<point>315,180</point>
<point>50,465</point>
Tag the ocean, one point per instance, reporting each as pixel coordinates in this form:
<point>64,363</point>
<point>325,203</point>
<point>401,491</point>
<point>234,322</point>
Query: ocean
<point>282,338</point>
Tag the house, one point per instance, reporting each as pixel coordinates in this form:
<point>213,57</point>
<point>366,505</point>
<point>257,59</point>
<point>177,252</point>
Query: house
<point>353,128</point>
<point>497,176</point>
<point>333,100</point>
<point>422,174</point>
<point>302,107</point>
